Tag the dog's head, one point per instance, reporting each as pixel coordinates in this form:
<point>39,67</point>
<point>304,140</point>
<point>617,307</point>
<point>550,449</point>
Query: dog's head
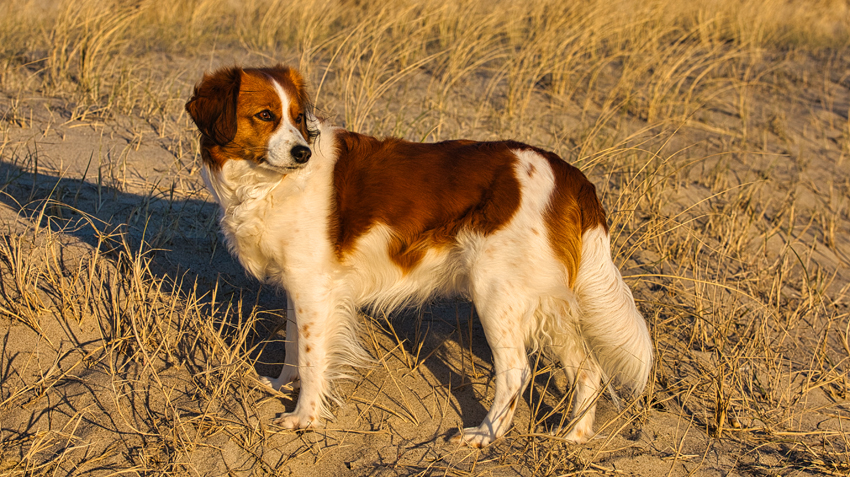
<point>261,115</point>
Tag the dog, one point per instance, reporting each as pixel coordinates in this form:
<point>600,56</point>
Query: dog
<point>343,221</point>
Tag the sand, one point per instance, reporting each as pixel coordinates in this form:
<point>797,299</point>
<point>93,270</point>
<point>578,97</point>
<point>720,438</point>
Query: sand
<point>130,340</point>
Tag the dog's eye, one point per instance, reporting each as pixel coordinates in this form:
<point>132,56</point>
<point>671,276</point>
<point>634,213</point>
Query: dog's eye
<point>265,115</point>
<point>299,118</point>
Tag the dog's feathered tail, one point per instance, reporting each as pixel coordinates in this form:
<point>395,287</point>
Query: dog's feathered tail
<point>614,330</point>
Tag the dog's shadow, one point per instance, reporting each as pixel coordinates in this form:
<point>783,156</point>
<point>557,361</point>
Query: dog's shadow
<point>446,337</point>
<point>180,239</point>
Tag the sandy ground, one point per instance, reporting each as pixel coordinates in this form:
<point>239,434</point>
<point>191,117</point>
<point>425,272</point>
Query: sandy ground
<point>168,387</point>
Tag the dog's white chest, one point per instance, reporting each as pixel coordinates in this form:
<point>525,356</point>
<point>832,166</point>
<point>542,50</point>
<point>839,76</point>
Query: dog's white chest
<point>247,201</point>
<point>273,223</point>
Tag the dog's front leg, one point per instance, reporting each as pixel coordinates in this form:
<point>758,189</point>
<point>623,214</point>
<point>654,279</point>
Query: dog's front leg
<point>312,313</point>
<point>289,373</point>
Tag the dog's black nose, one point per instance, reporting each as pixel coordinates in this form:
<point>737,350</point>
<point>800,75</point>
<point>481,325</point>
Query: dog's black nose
<point>301,154</point>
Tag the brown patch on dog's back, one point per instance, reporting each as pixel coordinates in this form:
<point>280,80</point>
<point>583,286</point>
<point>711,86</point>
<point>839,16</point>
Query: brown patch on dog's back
<point>426,193</point>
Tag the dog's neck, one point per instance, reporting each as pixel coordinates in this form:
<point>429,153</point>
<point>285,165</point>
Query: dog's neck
<point>238,182</point>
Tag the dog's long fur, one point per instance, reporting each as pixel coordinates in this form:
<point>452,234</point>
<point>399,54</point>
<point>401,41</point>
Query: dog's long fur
<point>343,221</point>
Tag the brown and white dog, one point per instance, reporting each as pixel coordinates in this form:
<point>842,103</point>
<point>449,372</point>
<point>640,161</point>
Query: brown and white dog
<point>343,221</point>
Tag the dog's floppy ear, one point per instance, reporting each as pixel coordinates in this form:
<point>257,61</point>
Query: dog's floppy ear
<point>213,105</point>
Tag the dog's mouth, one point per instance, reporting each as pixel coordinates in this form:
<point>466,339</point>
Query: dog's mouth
<point>265,164</point>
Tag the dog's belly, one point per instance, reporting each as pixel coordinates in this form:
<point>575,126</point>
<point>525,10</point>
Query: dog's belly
<point>378,281</point>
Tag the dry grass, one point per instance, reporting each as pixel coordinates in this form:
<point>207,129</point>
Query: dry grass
<point>717,136</point>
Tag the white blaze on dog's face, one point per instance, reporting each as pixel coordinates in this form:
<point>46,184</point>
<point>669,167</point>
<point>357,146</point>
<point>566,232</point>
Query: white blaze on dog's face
<point>287,146</point>
<point>259,115</point>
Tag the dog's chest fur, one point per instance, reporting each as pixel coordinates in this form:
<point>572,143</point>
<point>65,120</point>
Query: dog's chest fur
<point>270,223</point>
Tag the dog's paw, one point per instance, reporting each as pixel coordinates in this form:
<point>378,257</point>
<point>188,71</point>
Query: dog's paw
<point>289,379</point>
<point>474,437</point>
<point>291,420</point>
<point>278,384</point>
<point>578,435</point>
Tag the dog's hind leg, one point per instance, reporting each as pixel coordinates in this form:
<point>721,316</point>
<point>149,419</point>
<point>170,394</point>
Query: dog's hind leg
<point>584,375</point>
<point>501,315</point>
<point>612,330</point>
